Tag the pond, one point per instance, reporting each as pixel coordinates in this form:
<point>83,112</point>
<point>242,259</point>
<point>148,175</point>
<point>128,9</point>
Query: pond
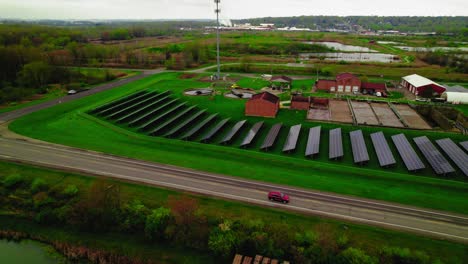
<point>341,47</point>
<point>28,251</point>
<point>351,57</point>
<point>423,49</point>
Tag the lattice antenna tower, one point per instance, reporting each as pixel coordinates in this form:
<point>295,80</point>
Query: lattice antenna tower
<point>217,11</point>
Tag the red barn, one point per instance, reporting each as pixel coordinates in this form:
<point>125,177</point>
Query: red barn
<point>418,85</point>
<point>347,82</point>
<point>263,104</point>
<point>300,103</point>
<point>326,85</point>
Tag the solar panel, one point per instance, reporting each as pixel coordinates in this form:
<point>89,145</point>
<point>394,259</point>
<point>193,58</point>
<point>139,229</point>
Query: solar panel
<point>384,154</point>
<point>118,101</point>
<point>182,125</point>
<point>407,153</point>
<point>271,137</point>
<point>335,144</point>
<point>123,104</point>
<point>358,146</point>
<point>230,135</point>
<point>438,162</point>
<point>252,133</point>
<point>162,116</point>
<point>455,153</point>
<point>162,126</point>
<point>464,145</point>
<point>215,130</point>
<point>133,106</point>
<point>137,120</point>
<point>313,142</point>
<point>141,110</point>
<point>291,140</point>
<point>198,127</point>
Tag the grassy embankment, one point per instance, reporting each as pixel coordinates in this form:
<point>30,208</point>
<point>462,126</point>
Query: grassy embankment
<point>69,125</point>
<point>367,238</point>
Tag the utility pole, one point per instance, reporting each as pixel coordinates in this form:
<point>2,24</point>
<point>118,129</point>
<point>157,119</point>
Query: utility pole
<point>217,11</point>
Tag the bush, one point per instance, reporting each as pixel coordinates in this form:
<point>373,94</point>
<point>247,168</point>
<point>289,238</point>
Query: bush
<point>157,222</point>
<point>13,180</point>
<point>38,185</point>
<point>70,191</point>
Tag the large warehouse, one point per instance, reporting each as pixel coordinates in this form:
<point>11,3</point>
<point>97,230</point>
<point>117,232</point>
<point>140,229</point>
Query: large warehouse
<point>349,83</point>
<point>418,85</point>
<point>263,104</point>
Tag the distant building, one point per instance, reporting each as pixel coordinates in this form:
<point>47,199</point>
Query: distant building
<point>283,81</point>
<point>263,104</point>
<point>418,85</point>
<point>299,102</point>
<point>349,83</point>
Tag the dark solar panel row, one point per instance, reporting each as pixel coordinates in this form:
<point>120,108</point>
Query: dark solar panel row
<point>134,106</point>
<point>251,134</point>
<point>464,144</point>
<point>118,101</point>
<point>335,144</point>
<point>384,153</point>
<point>313,142</point>
<point>407,153</point>
<point>271,137</point>
<point>164,125</point>
<point>151,113</point>
<point>291,140</point>
<point>162,116</point>
<point>438,162</point>
<point>235,129</point>
<point>198,127</point>
<point>182,125</point>
<point>124,104</point>
<point>455,153</point>
<point>358,146</point>
<point>143,109</point>
<point>215,130</point>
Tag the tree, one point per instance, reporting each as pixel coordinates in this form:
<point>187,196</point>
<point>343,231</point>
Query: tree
<point>222,242</point>
<point>35,74</point>
<point>134,216</point>
<point>355,256</point>
<point>157,222</point>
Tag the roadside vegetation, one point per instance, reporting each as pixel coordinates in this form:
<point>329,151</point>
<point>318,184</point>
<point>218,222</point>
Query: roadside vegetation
<point>122,220</point>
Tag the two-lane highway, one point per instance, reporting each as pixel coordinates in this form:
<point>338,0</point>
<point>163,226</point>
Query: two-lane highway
<point>424,221</point>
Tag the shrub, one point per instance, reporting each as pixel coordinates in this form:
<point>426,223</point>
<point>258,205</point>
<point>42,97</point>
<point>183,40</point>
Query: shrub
<point>38,185</point>
<point>70,191</point>
<point>355,256</point>
<point>13,180</point>
<point>157,222</point>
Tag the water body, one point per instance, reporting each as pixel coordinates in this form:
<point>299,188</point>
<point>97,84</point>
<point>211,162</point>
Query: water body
<point>28,251</point>
<point>341,47</point>
<point>352,57</point>
<point>423,49</point>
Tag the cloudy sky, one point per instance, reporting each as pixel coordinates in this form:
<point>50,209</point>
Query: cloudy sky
<point>231,9</point>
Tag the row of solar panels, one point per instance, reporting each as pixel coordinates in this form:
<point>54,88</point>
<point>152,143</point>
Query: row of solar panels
<point>154,113</point>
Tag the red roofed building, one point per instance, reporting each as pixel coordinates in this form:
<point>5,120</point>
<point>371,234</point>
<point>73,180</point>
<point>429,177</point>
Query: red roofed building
<point>263,104</point>
<point>349,83</point>
<point>300,103</point>
<point>326,85</point>
<point>282,81</point>
<point>418,85</point>
<point>373,88</point>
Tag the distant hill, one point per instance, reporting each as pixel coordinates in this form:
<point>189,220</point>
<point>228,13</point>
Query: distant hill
<point>457,25</point>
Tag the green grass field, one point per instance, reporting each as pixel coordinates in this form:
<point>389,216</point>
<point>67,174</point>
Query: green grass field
<point>69,124</point>
<point>368,238</point>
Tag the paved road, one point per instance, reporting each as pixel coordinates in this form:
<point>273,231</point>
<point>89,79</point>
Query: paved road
<point>432,223</point>
<point>5,117</point>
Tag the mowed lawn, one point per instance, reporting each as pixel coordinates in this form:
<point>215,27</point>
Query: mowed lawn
<point>69,124</point>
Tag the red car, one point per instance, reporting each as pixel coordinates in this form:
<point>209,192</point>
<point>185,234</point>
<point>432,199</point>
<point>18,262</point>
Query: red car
<point>278,196</point>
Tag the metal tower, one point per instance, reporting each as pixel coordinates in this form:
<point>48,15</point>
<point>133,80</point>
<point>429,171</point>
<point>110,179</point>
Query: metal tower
<point>217,11</point>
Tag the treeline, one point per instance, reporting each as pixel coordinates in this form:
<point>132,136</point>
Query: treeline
<point>456,62</point>
<point>101,208</point>
<point>456,25</point>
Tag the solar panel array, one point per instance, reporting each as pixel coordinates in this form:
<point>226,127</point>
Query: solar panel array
<point>291,140</point>
<point>230,135</point>
<point>157,118</point>
<point>438,162</point>
<point>185,123</point>
<point>251,134</point>
<point>164,125</point>
<point>142,110</point>
<point>335,144</point>
<point>464,144</point>
<point>455,153</point>
<point>134,106</point>
<point>384,153</point>
<point>407,153</point>
<point>124,104</point>
<point>198,127</point>
<point>118,101</point>
<point>358,146</point>
<point>271,137</point>
<point>209,136</point>
<point>313,142</point>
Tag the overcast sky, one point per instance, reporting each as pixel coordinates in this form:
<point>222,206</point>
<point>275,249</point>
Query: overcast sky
<point>231,9</point>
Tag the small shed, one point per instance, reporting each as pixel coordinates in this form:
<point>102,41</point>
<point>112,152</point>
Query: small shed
<point>263,104</point>
<point>299,102</point>
<point>282,81</point>
<point>373,88</point>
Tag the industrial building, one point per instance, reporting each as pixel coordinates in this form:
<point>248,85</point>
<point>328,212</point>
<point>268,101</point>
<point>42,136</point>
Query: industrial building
<point>419,85</point>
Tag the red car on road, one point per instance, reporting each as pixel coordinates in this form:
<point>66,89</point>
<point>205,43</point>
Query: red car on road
<point>278,197</point>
